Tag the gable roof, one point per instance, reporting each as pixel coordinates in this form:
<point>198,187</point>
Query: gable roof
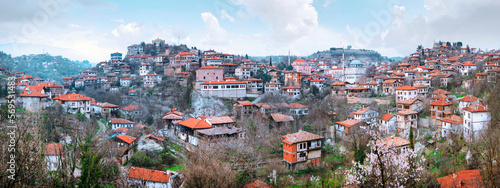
<point>406,112</point>
<point>73,97</point>
<point>120,121</point>
<point>296,106</point>
<point>395,141</point>
<point>441,102</point>
<point>361,111</point>
<point>441,91</point>
<point>348,123</point>
<point>152,136</point>
<point>301,136</point>
<point>121,130</point>
<point>32,93</point>
<point>409,101</point>
<point>405,87</point>
<point>210,67</point>
<point>220,120</point>
<point>149,175</point>
<point>477,108</point>
<point>126,138</point>
<point>468,98</point>
<point>281,118</point>
<point>195,124</point>
<point>130,108</point>
<point>465,178</point>
<point>53,149</point>
<point>386,117</point>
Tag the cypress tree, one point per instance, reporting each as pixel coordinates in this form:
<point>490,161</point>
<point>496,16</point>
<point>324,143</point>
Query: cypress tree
<point>412,144</point>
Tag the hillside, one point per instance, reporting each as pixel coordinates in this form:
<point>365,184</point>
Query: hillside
<point>45,66</point>
<point>358,53</point>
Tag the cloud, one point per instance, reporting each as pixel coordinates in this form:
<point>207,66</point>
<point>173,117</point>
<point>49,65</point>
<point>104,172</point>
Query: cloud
<point>216,35</point>
<point>226,16</point>
<point>127,29</point>
<point>288,20</point>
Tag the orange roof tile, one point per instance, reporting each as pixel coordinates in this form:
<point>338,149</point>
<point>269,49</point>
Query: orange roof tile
<point>348,123</point>
<point>406,112</point>
<point>290,87</point>
<point>405,87</point>
<point>131,108</point>
<point>395,141</point>
<point>120,121</point>
<point>121,130</point>
<point>301,136</point>
<point>126,138</point>
<point>296,105</point>
<point>53,149</point>
<point>195,124</point>
<point>210,67</point>
<point>32,93</point>
<point>441,102</point>
<point>218,82</point>
<point>386,117</point>
<point>477,108</point>
<point>257,184</point>
<point>465,179</point>
<point>441,91</point>
<point>73,97</point>
<point>148,175</point>
<point>281,118</point>
<point>468,98</point>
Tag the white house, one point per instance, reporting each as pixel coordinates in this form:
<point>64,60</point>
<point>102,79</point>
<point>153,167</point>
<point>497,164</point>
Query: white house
<point>151,178</point>
<point>225,89</point>
<point>467,101</point>
<point>74,103</point>
<point>367,115</point>
<point>298,109</point>
<point>476,119</point>
<point>388,122</point>
<point>467,67</point>
<point>125,82</point>
<point>406,92</point>
<point>53,153</point>
<point>144,69</point>
<point>451,125</point>
<point>119,122</point>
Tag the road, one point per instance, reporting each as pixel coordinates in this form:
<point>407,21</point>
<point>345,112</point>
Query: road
<point>102,129</point>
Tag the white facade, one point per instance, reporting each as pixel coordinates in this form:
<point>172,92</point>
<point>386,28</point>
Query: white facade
<point>224,89</point>
<point>402,95</point>
<point>475,123</point>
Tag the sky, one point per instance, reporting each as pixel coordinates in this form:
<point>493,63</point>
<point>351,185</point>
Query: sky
<point>92,29</point>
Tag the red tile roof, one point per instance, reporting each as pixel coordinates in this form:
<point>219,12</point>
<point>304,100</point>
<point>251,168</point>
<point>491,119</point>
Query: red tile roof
<point>210,67</point>
<point>218,82</point>
<point>477,108</point>
<point>361,111</point>
<point>290,87</point>
<point>130,108</point>
<point>126,138</point>
<point>149,175</point>
<point>73,97</point>
<point>120,121</point>
<point>441,102</point>
<point>441,91</point>
<point>468,98</point>
<point>257,184</point>
<point>277,117</point>
<point>301,136</point>
<point>152,136</point>
<point>465,179</point>
<point>121,130</point>
<point>406,112</point>
<point>296,105</point>
<point>195,124</point>
<point>386,117</point>
<point>348,123</point>
<point>406,88</point>
<point>32,93</point>
<point>53,149</point>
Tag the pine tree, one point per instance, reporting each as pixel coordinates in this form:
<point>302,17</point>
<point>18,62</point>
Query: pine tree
<point>412,144</point>
<point>270,61</point>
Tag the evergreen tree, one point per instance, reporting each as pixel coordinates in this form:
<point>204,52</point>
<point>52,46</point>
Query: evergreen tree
<point>412,144</point>
<point>270,61</point>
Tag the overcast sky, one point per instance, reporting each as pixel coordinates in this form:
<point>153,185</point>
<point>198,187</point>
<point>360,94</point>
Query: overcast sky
<point>92,29</point>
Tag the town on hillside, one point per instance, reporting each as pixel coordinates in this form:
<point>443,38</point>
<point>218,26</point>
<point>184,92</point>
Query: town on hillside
<point>162,116</point>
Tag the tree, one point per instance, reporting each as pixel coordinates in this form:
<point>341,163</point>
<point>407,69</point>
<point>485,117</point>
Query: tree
<point>412,144</point>
<point>270,61</point>
<point>468,49</point>
<point>246,56</point>
<point>386,166</point>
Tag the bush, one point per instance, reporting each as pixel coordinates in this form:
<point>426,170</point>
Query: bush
<point>140,159</point>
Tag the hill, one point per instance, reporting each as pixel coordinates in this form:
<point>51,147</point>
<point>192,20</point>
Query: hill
<point>45,66</point>
<point>358,53</point>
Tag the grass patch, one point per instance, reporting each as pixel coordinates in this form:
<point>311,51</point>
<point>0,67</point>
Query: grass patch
<point>176,167</point>
<point>175,147</point>
<point>20,110</point>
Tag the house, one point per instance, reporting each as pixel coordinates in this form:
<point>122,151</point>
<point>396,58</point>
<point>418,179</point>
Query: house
<point>273,87</point>
<point>154,138</point>
<point>131,110</point>
<point>338,88</point>
<point>151,80</point>
<point>415,104</point>
<point>438,109</point>
<point>53,153</point>
<point>74,103</point>
<point>405,92</point>
<point>143,177</point>
<point>441,92</point>
<point>389,86</point>
<point>187,129</point>
<point>467,101</point>
<point>208,73</point>
<point>132,92</point>
<point>464,178</point>
<point>398,143</point>
<point>318,83</point>
<point>350,126</point>
<point>302,150</point>
<point>67,82</point>
<point>170,117</point>
<point>220,133</point>
<point>476,119</point>
<point>120,130</point>
<point>358,92</point>
<point>292,78</point>
<point>222,121</point>
<point>243,109</point>
<point>119,122</point>
<point>242,72</point>
<point>103,109</point>
<point>123,146</point>
<point>422,90</point>
<point>33,100</point>
<point>254,85</point>
<point>125,82</point>
<point>144,69</point>
<point>366,115</point>
<point>467,68</point>
<point>422,81</point>
<point>291,91</point>
<point>372,85</point>
<point>278,120</point>
<point>405,119</point>
<point>451,124</point>
<point>224,89</point>
<point>298,109</point>
<point>388,122</point>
